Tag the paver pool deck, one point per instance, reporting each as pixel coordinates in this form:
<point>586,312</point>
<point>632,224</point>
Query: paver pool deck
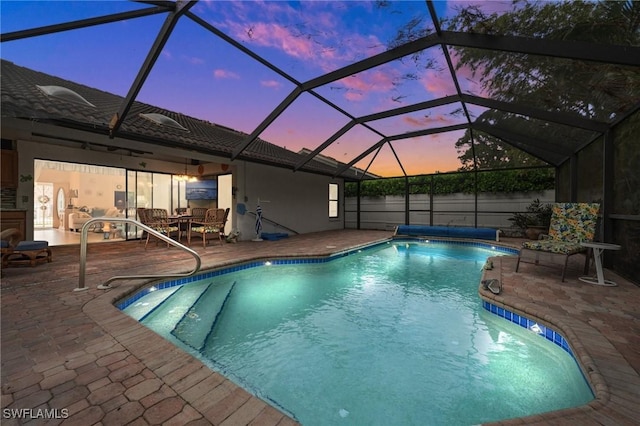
<point>75,353</point>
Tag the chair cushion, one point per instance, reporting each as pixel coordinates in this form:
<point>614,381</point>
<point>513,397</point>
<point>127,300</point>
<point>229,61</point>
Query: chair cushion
<point>574,222</point>
<point>554,246</point>
<point>31,245</point>
<point>4,244</point>
<point>164,229</point>
<point>208,228</point>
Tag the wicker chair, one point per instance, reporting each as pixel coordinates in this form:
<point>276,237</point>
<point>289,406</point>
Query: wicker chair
<point>158,219</point>
<point>222,216</point>
<point>211,226</point>
<point>144,218</point>
<point>198,213</point>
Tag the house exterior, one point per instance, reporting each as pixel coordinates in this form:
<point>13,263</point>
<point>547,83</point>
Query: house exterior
<point>42,118</point>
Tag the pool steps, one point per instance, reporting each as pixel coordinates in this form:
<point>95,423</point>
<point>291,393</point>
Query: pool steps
<point>218,316</point>
<point>139,311</point>
<point>168,313</point>
<point>196,324</point>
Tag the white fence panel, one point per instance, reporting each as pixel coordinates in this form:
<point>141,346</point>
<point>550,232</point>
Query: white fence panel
<point>494,210</point>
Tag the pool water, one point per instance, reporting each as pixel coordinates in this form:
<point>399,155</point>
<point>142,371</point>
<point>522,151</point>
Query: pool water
<point>392,335</point>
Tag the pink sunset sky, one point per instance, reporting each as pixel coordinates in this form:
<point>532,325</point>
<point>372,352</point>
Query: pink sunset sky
<point>200,75</point>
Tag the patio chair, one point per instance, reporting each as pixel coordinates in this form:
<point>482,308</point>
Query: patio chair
<point>211,226</point>
<point>158,219</point>
<point>223,216</point>
<point>16,252</point>
<point>198,213</point>
<point>141,215</point>
<point>571,225</point>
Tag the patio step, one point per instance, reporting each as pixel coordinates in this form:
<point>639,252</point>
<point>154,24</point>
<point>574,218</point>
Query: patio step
<point>197,323</point>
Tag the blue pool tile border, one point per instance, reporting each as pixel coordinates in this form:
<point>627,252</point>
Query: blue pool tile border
<point>295,261</point>
<point>487,245</point>
<point>543,331</point>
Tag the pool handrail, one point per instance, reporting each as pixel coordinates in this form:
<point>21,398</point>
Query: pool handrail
<point>106,285</point>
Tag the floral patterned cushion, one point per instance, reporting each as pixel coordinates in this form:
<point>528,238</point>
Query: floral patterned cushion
<point>573,222</point>
<point>205,229</point>
<point>553,246</point>
<point>165,229</point>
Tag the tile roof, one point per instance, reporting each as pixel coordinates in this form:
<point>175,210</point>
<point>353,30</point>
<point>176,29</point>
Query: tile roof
<point>21,98</point>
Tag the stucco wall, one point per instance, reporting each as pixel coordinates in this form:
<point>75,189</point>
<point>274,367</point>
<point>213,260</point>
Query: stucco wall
<point>297,200</point>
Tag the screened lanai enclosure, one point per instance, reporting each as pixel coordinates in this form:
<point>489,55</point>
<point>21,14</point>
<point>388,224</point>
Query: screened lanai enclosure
<point>495,91</point>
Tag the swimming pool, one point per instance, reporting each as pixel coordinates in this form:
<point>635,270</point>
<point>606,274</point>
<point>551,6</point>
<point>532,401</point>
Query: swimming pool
<point>394,334</point>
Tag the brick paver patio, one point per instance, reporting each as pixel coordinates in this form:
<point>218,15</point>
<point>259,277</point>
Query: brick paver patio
<point>76,356</point>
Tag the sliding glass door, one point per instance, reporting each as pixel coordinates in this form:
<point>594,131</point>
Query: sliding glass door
<point>62,189</point>
<point>150,191</point>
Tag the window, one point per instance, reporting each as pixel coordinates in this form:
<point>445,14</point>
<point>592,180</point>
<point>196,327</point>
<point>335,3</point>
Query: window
<point>333,200</point>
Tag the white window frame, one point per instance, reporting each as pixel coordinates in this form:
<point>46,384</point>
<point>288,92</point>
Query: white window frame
<point>334,202</point>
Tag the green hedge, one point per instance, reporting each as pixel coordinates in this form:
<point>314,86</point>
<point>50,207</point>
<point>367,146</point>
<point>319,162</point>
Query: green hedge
<point>498,181</point>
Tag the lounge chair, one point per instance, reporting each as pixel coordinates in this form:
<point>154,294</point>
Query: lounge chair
<point>16,252</point>
<point>571,225</point>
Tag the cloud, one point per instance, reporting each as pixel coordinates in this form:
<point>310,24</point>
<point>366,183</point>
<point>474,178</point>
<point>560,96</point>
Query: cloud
<point>194,60</point>
<point>354,96</point>
<point>279,37</point>
<point>224,74</point>
<point>311,32</point>
<point>270,83</point>
<point>361,84</point>
<point>438,83</point>
<point>468,79</point>
<point>426,121</point>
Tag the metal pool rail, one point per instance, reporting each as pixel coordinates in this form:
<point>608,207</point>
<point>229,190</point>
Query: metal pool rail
<point>105,286</point>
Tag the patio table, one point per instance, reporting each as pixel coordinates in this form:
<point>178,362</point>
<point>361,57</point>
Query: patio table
<point>183,221</point>
<point>598,250</point>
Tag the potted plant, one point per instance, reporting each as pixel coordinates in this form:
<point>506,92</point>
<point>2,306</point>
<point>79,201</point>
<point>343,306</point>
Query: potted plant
<point>535,220</point>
